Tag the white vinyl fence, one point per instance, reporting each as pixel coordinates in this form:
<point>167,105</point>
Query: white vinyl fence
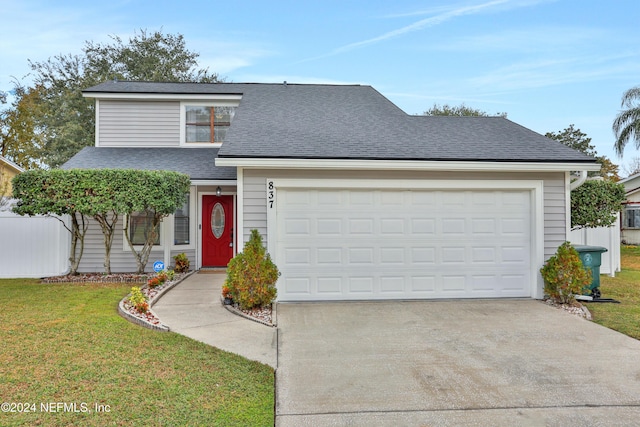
<point>32,246</point>
<point>607,237</point>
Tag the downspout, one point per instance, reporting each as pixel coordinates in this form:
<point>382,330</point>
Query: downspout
<point>579,181</point>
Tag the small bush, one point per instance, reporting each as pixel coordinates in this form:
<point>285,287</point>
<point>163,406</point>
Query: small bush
<point>564,275</point>
<point>226,293</point>
<point>154,282</point>
<point>138,300</point>
<point>182,263</point>
<point>251,275</point>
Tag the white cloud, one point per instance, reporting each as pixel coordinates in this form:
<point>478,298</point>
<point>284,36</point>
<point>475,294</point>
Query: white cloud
<point>224,57</point>
<point>440,15</point>
<point>552,72</point>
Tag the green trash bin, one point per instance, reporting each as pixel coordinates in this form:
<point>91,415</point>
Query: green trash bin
<point>591,257</point>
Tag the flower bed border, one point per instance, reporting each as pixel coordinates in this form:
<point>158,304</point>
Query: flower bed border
<point>138,320</point>
<point>231,308</point>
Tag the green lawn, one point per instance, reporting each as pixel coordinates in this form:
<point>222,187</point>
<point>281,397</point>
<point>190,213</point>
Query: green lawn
<point>625,287</point>
<point>66,344</point>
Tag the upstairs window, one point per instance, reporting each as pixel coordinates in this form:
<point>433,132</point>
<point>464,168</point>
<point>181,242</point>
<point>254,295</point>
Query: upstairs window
<point>207,124</point>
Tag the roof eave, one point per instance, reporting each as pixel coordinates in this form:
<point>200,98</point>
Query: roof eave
<point>430,165</point>
<point>163,96</point>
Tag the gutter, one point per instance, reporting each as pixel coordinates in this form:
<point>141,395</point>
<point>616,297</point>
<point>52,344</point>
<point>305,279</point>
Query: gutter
<point>578,182</point>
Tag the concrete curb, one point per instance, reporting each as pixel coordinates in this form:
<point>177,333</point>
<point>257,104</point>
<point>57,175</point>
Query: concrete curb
<point>142,322</point>
<point>237,312</point>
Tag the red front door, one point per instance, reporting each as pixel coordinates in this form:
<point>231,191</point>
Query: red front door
<point>217,230</point>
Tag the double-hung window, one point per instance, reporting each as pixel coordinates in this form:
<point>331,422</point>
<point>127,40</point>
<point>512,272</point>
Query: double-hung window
<point>207,123</point>
<point>181,230</point>
<point>140,225</point>
<point>631,217</point>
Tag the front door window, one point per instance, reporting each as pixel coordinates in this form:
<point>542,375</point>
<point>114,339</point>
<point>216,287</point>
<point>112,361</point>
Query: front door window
<point>217,220</point>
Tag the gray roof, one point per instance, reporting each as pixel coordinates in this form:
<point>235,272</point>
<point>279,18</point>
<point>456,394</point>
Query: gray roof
<point>198,163</point>
<point>355,122</point>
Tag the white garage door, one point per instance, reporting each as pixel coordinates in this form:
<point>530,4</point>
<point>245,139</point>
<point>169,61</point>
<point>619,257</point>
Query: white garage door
<point>360,244</point>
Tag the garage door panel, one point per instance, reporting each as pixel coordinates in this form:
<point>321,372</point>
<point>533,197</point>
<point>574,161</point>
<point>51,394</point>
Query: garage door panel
<point>379,244</point>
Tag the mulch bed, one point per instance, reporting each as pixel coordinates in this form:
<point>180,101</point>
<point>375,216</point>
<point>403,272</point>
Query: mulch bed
<point>98,278</point>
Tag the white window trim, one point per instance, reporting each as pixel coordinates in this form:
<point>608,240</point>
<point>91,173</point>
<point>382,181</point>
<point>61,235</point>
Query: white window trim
<point>535,187</point>
<point>193,219</point>
<point>626,208</point>
<point>183,120</point>
<point>167,229</point>
<point>125,243</point>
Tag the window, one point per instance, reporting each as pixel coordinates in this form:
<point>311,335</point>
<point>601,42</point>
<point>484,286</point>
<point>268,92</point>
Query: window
<point>207,124</point>
<point>139,227</point>
<point>181,224</point>
<point>631,217</point>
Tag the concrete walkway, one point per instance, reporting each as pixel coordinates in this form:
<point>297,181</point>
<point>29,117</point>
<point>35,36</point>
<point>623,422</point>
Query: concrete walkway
<point>193,309</point>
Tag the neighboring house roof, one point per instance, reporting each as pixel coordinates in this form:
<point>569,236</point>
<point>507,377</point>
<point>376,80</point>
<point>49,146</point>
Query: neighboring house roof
<point>198,163</point>
<point>12,165</point>
<point>353,122</point>
<point>631,183</point>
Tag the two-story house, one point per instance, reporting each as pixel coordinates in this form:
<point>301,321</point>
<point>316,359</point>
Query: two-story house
<point>355,198</point>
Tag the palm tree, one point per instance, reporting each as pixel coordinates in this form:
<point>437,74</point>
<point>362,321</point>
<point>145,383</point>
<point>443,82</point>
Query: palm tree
<point>627,124</point>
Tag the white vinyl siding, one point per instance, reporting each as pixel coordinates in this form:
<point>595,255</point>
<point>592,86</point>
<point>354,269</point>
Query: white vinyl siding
<point>255,207</point>
<point>122,259</point>
<point>556,223</point>
<point>138,123</point>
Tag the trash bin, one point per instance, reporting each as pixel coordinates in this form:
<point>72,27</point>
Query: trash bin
<point>591,257</point>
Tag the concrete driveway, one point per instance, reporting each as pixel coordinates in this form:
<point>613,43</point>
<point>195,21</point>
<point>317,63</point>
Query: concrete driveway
<point>451,363</point>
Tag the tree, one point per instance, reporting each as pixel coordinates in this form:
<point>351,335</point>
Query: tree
<point>461,110</point>
<point>63,121</point>
<point>20,140</point>
<point>633,167</point>
<point>104,195</point>
<point>158,194</point>
<point>54,192</point>
<point>596,203</point>
<point>578,140</point>
<point>626,125</point>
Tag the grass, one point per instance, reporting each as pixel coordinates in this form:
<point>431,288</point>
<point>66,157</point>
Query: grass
<point>66,343</point>
<point>625,287</point>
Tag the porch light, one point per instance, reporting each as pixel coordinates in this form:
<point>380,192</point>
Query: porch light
<point>218,191</point>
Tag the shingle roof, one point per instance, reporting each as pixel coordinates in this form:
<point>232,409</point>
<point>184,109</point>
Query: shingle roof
<point>355,122</point>
<point>198,163</point>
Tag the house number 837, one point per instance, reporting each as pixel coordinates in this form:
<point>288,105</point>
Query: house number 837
<point>270,194</point>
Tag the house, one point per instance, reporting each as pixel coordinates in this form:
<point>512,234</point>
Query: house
<point>630,225</point>
<point>355,199</point>
<point>8,170</point>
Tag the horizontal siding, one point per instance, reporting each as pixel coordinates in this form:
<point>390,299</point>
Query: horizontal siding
<point>122,259</point>
<point>555,212</point>
<point>138,124</point>
<point>255,206</point>
<point>255,212</point>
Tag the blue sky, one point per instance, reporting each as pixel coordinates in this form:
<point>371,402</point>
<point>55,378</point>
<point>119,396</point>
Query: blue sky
<point>546,63</point>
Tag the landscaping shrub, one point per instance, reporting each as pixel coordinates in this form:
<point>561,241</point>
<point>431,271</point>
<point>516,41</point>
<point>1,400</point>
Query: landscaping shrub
<point>160,278</point>
<point>251,275</point>
<point>138,300</point>
<point>182,263</point>
<point>564,275</point>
